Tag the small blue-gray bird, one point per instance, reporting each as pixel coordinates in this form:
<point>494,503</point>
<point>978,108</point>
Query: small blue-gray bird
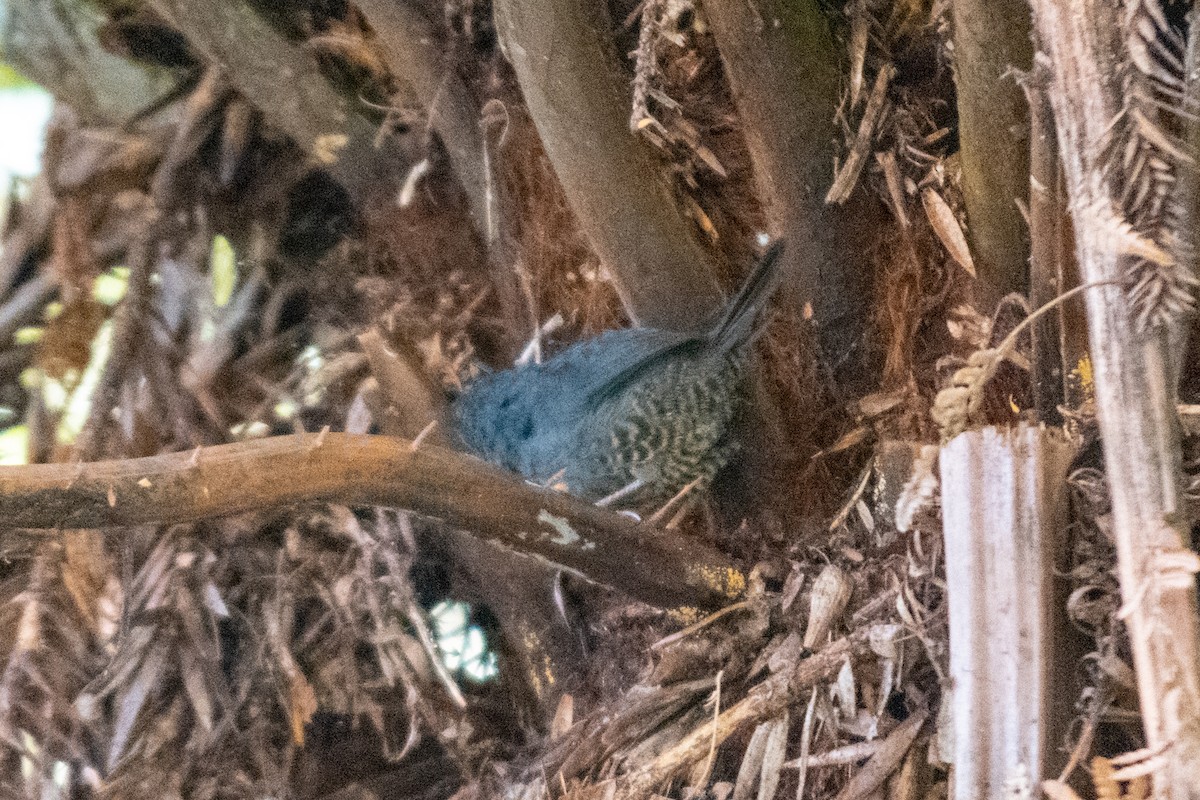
<point>638,413</point>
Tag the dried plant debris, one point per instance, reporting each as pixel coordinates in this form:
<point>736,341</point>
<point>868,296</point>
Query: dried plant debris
<point>666,26</point>
<point>680,103</point>
<point>1107,721</point>
<point>289,653</point>
<point>1151,166</point>
<point>958,406</point>
<point>206,654</point>
<point>721,710</point>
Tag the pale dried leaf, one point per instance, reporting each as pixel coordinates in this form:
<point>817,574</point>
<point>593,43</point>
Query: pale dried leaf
<point>564,716</point>
<point>752,762</point>
<point>920,491</point>
<point>791,587</point>
<point>854,753</point>
<point>196,688</point>
<point>132,698</point>
<point>773,756</point>
<point>877,403</point>
<point>213,601</point>
<point>884,762</point>
<point>948,231</point>
<point>886,639</point>
<point>830,594</point>
<point>845,690</point>
<point>865,516</point>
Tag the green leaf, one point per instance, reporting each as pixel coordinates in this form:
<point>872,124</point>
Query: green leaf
<point>222,265</point>
<point>110,287</point>
<point>14,445</point>
<point>11,79</point>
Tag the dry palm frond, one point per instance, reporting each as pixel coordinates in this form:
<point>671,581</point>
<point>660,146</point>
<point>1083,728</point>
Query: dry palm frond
<point>49,652</point>
<point>1146,161</point>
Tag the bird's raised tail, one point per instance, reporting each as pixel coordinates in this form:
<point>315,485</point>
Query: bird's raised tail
<point>737,324</point>
<point>735,327</point>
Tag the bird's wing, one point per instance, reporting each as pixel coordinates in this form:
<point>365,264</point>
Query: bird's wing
<point>629,355</point>
<point>734,327</point>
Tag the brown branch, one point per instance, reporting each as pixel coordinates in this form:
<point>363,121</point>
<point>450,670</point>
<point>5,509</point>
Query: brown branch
<point>604,546</point>
<point>1135,394</point>
<point>285,83</point>
<point>782,64</point>
<point>1047,219</point>
<point>416,53</point>
<point>578,96</point>
<point>992,38</point>
<point>57,44</point>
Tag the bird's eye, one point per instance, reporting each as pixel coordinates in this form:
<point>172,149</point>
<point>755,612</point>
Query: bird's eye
<point>526,430</point>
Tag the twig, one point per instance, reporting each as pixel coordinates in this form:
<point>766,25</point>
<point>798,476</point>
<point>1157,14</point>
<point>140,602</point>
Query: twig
<point>644,241</point>
<point>765,701</point>
<point>855,496</point>
<point>847,177</point>
<point>129,329</point>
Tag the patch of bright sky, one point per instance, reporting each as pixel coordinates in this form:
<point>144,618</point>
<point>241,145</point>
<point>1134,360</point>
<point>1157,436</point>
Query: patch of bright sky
<point>25,109</point>
<point>464,647</point>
